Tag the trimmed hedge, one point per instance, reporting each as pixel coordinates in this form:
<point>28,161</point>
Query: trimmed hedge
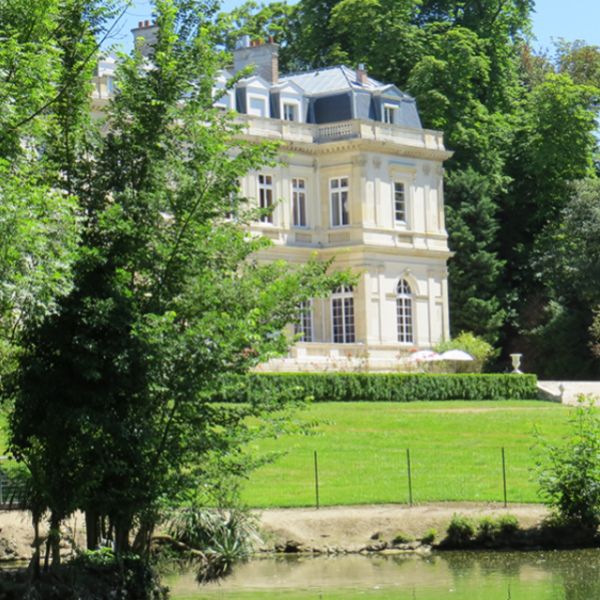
<point>381,387</point>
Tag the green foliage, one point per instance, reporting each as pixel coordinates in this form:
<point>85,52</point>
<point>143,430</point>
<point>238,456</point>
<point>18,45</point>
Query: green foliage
<point>488,529</point>
<point>379,387</point>
<point>558,343</point>
<point>481,351</point>
<point>475,270</point>
<point>223,537</point>
<point>508,524</point>
<point>568,475</point>
<point>430,536</point>
<point>491,528</point>
<point>567,258</point>
<point>402,538</point>
<point>112,412</point>
<point>460,530</point>
<point>126,574</point>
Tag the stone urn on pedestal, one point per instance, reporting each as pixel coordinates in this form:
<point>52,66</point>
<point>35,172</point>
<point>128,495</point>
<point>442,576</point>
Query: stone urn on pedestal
<point>516,363</point>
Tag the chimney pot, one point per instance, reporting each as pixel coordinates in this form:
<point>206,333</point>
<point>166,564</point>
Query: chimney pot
<point>147,24</point>
<point>270,39</point>
<point>262,54</point>
<point>361,74</point>
<point>141,23</point>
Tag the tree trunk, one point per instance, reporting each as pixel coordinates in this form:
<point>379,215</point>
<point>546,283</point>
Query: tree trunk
<point>54,540</point>
<point>141,544</point>
<point>92,527</point>
<point>121,538</point>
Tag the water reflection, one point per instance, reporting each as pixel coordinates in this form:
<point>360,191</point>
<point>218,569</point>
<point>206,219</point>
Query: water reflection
<point>558,575</point>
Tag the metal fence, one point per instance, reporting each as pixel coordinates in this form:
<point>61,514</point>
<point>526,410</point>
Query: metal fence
<point>9,489</point>
<point>435,474</point>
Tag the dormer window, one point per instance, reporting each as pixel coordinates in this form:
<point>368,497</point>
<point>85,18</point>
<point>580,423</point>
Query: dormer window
<point>390,114</point>
<point>257,106</point>
<point>290,112</point>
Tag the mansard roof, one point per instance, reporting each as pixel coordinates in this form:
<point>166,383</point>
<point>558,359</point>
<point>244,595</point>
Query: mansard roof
<point>334,79</point>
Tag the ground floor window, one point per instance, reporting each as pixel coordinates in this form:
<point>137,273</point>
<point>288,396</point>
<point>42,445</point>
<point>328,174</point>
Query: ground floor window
<point>404,313</point>
<point>299,202</point>
<point>265,196</point>
<point>305,326</point>
<point>342,315</point>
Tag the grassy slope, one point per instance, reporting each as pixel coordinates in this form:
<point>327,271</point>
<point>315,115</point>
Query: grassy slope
<point>455,450</point>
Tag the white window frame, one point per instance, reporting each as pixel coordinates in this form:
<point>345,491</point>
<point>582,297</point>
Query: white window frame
<point>305,327</point>
<point>404,201</point>
<point>295,108</point>
<point>343,322</point>
<point>299,204</point>
<point>405,312</point>
<point>390,114</point>
<point>266,192</point>
<point>339,201</point>
<point>263,99</point>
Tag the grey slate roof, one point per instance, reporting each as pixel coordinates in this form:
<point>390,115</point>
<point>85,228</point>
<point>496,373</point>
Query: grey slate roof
<point>332,79</point>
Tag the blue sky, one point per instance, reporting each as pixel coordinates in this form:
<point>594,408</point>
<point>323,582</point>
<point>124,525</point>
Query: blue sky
<point>569,19</point>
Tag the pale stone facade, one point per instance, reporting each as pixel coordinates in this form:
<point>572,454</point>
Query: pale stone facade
<point>357,178</point>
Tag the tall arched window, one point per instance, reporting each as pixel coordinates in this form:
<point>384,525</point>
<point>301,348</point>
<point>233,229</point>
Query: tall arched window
<point>404,313</point>
<point>342,315</point>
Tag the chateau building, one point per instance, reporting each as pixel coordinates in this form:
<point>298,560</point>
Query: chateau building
<point>358,178</point>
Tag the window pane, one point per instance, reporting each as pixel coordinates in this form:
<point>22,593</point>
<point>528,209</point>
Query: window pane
<point>295,206</point>
<point>302,208</point>
<point>335,209</point>
<point>399,202</point>
<point>345,211</point>
<point>404,312</point>
<point>342,314</point>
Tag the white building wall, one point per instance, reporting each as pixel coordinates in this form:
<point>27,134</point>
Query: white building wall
<point>373,245</point>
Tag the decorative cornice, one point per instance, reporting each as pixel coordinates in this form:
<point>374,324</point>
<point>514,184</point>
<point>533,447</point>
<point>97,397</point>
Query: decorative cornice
<point>359,161</point>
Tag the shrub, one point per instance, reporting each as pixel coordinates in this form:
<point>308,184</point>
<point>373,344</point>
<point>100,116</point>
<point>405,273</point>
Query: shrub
<point>225,537</point>
<point>430,536</point>
<point>478,348</point>
<point>487,529</point>
<point>460,530</point>
<point>402,538</point>
<point>508,524</point>
<point>569,475</point>
<point>377,387</point>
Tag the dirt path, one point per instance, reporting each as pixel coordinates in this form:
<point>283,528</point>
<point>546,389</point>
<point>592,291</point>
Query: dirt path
<point>338,528</point>
<point>351,528</point>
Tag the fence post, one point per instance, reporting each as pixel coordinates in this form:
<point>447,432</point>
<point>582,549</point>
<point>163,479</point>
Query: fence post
<point>409,477</point>
<point>504,476</point>
<point>317,479</point>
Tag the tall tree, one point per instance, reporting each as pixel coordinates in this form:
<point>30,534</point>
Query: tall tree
<point>476,268</point>
<point>168,296</point>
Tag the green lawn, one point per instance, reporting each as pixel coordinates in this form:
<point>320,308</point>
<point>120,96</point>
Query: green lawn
<point>455,451</point>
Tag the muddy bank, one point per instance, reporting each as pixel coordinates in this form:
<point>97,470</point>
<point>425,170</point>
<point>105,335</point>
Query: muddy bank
<point>344,528</point>
<point>354,528</point>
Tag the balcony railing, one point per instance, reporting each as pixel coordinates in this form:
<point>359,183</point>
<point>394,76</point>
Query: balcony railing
<point>344,130</point>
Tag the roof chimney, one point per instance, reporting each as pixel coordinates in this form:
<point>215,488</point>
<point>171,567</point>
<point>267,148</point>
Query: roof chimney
<point>361,74</point>
<point>144,36</point>
<point>264,57</point>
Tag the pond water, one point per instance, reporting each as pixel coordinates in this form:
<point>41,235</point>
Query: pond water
<point>554,575</point>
